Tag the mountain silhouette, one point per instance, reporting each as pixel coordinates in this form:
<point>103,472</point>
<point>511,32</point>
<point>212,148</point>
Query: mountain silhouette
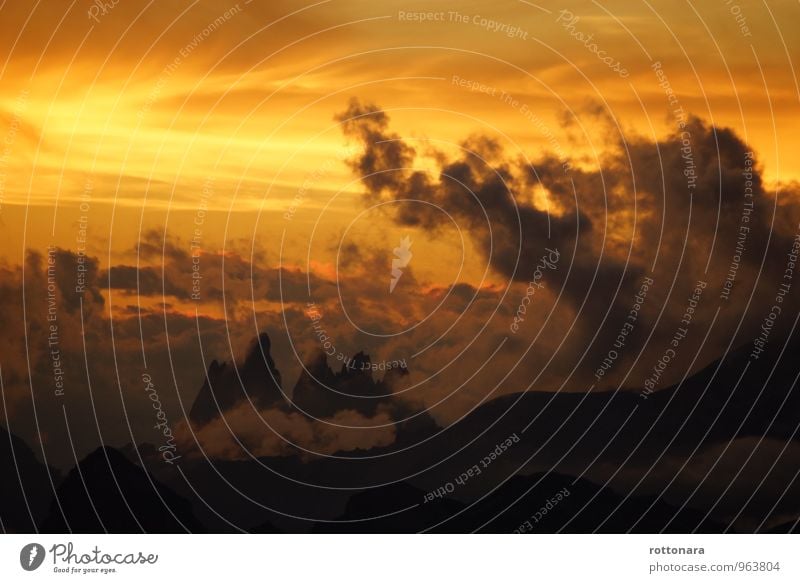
<point>582,507</point>
<point>27,489</point>
<point>320,392</point>
<point>396,508</point>
<point>107,493</point>
<point>256,379</point>
<point>713,406</point>
<point>562,430</point>
<point>790,527</point>
<point>730,399</point>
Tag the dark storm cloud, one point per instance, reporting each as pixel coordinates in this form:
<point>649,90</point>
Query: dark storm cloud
<point>672,209</point>
<point>227,274</point>
<point>481,191</point>
<point>701,169</point>
<point>147,281</point>
<point>383,163</point>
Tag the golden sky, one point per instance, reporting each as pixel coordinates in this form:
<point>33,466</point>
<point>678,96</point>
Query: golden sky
<point>285,149</point>
<point>149,100</point>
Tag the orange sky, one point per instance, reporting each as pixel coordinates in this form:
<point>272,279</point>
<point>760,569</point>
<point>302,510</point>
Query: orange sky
<point>148,106</point>
<point>215,128</point>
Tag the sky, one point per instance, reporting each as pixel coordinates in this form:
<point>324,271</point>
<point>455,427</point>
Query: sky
<point>200,172</point>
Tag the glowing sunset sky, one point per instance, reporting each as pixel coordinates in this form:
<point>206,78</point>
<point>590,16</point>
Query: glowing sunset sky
<point>148,106</point>
<point>290,148</point>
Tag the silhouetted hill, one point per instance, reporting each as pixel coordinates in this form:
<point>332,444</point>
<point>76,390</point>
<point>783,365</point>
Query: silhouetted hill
<point>27,489</point>
<point>556,429</point>
<point>320,392</point>
<point>266,528</point>
<point>712,406</point>
<point>396,508</point>
<point>256,379</point>
<point>726,401</point>
<point>582,507</point>
<point>107,493</point>
<point>791,527</point>
<point>579,507</point>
